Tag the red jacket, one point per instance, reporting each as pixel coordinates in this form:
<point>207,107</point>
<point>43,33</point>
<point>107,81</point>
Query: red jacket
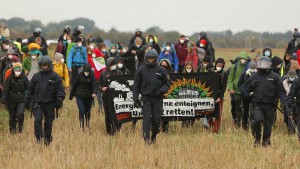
<point>298,56</point>
<point>193,57</point>
<point>90,61</point>
<point>181,51</point>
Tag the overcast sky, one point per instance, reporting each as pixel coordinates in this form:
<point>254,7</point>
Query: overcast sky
<point>185,16</point>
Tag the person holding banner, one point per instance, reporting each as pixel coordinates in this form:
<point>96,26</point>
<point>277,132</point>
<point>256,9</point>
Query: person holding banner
<point>151,81</point>
<point>111,121</point>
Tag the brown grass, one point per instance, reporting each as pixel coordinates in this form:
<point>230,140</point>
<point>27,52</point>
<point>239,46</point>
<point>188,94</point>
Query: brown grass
<point>181,148</point>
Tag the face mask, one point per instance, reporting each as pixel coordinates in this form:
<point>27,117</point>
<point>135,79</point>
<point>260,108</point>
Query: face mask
<point>93,55</point>
<point>181,41</point>
<point>17,74</point>
<point>69,41</point>
<point>267,53</point>
<point>33,57</point>
<point>120,65</point>
<point>6,47</point>
<point>138,46</point>
<point>253,70</point>
<point>168,48</point>
<point>151,40</point>
<point>86,73</point>
<point>201,45</point>
<point>291,79</point>
<point>62,60</point>
<point>103,50</point>
<point>92,47</point>
<point>243,61</point>
<point>189,70</point>
<point>278,66</point>
<point>79,44</point>
<point>10,56</point>
<point>204,65</point>
<point>218,69</point>
<point>113,51</point>
<point>65,37</point>
<point>114,67</point>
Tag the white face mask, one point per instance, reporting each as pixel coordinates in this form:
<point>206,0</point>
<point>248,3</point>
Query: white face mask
<point>79,44</point>
<point>17,74</point>
<point>137,46</point>
<point>10,56</point>
<point>253,70</point>
<point>33,57</point>
<point>181,41</point>
<point>120,65</point>
<point>69,41</point>
<point>93,55</point>
<point>204,65</point>
<point>92,47</point>
<point>218,69</point>
<point>291,79</point>
<point>189,70</point>
<point>65,37</point>
<point>168,48</point>
<point>103,50</point>
<point>86,73</point>
<point>6,47</point>
<point>114,67</point>
<point>151,40</point>
<point>113,51</point>
<point>267,53</point>
<point>62,60</point>
<point>201,45</point>
<point>243,61</point>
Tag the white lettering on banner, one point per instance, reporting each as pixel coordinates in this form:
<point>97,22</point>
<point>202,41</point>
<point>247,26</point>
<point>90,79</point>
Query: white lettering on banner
<point>171,107</point>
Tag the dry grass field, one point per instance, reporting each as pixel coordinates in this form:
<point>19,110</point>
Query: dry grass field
<point>180,148</point>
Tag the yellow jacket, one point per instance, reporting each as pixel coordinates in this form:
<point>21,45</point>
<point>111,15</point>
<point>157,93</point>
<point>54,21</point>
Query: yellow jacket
<point>62,71</point>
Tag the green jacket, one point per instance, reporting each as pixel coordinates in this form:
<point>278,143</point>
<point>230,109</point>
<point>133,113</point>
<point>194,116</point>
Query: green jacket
<point>233,79</point>
<point>27,62</point>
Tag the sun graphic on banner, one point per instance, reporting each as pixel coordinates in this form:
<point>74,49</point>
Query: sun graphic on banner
<point>187,88</point>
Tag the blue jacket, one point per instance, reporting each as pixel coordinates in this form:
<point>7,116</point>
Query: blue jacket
<point>171,56</point>
<point>77,57</point>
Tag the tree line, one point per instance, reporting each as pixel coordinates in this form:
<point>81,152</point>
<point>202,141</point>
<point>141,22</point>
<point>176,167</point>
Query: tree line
<point>224,39</point>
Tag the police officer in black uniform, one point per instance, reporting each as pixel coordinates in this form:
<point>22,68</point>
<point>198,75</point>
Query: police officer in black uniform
<point>266,87</point>
<point>46,92</point>
<point>151,81</point>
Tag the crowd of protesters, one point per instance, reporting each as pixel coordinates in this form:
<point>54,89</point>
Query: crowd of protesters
<point>31,79</point>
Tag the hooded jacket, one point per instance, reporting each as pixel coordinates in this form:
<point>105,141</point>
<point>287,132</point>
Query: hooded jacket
<point>234,75</point>
<point>172,56</point>
<point>84,86</point>
<point>124,69</point>
<point>222,79</point>
<point>169,67</point>
<point>62,70</point>
<point>271,54</point>
<point>275,62</point>
<point>193,57</point>
<point>181,51</point>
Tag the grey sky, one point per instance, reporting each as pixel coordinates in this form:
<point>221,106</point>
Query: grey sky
<point>185,16</point>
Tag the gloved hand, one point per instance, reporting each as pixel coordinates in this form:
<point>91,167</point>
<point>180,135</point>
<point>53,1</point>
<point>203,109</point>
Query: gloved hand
<point>157,93</point>
<point>254,83</point>
<point>137,103</point>
<point>59,103</point>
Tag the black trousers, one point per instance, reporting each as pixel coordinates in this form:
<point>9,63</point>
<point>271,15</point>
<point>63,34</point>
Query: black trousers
<point>233,109</point>
<point>245,119</point>
<point>16,114</point>
<point>263,114</point>
<point>152,110</point>
<point>74,73</point>
<point>40,111</point>
<point>111,123</point>
<point>294,120</point>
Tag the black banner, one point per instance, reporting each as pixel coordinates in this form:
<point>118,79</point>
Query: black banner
<point>189,96</point>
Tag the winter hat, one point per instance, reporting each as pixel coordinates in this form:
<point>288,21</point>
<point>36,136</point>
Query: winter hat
<point>58,56</point>
<point>17,66</point>
<point>151,52</point>
<point>87,68</point>
<point>243,55</point>
<point>25,49</point>
<point>220,60</point>
<point>201,51</point>
<point>34,45</point>
<point>203,41</point>
<point>34,51</point>
<point>206,59</point>
<point>276,61</point>
<point>292,73</point>
<point>294,56</point>
<point>252,65</point>
<point>15,58</point>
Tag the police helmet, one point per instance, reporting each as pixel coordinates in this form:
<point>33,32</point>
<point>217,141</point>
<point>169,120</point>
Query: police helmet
<point>264,63</point>
<point>151,54</point>
<point>45,60</point>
